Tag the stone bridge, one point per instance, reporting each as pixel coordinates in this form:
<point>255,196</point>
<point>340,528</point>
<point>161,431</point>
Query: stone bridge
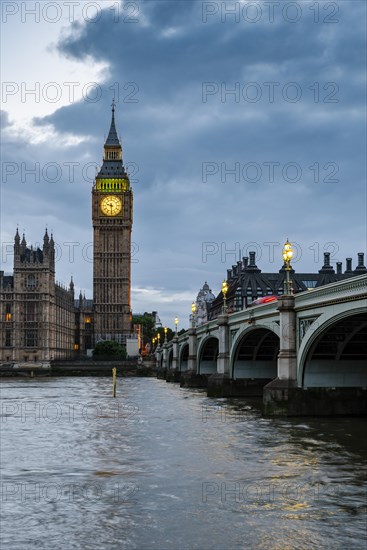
<point>306,354</point>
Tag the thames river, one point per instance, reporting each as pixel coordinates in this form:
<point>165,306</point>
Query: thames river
<point>164,468</point>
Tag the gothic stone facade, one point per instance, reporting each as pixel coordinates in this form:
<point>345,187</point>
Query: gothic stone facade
<point>40,319</point>
<point>112,204</point>
<point>37,314</point>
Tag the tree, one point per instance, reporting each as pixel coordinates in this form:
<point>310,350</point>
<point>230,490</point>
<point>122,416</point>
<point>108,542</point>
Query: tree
<point>109,350</point>
<point>160,331</point>
<point>147,323</point>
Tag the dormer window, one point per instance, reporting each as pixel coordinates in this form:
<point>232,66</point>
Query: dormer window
<point>238,299</point>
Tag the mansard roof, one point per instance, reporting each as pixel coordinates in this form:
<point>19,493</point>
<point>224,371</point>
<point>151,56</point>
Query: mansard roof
<point>246,279</point>
<point>112,169</point>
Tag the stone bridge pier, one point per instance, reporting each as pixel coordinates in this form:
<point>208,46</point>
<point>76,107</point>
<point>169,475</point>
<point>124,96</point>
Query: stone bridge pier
<point>276,394</point>
<point>191,378</point>
<point>173,371</point>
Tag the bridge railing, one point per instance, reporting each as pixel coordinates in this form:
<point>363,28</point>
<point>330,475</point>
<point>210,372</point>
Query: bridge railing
<point>353,287</point>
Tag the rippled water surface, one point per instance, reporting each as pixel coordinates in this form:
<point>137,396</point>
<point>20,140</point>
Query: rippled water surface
<point>164,468</point>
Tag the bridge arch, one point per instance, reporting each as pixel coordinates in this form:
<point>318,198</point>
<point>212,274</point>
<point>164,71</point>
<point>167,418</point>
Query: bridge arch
<point>207,355</point>
<point>254,354</point>
<point>335,355</point>
<point>183,357</point>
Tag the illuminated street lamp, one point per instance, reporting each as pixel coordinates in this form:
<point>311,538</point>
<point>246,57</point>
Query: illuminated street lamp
<point>165,334</point>
<point>287,257</point>
<point>193,310</point>
<point>224,292</point>
<point>176,323</point>
<point>159,339</point>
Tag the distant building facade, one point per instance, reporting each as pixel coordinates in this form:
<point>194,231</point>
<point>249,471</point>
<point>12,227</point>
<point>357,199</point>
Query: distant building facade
<point>40,319</point>
<point>246,282</point>
<point>203,304</point>
<point>37,314</point>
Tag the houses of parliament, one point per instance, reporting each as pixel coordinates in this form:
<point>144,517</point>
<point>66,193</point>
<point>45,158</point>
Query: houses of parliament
<point>40,319</point>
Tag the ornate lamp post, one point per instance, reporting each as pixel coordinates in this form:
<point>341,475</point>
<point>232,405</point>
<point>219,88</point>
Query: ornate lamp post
<point>159,340</point>
<point>176,323</point>
<point>287,257</point>
<point>165,334</point>
<point>224,292</point>
<point>193,310</point>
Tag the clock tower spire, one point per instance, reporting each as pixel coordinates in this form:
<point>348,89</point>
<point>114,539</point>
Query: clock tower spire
<point>112,204</point>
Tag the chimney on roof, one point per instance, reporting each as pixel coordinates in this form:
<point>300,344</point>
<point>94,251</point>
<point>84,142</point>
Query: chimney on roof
<point>229,274</point>
<point>339,266</point>
<point>239,267</point>
<point>360,267</point>
<point>349,265</point>
<point>234,270</point>
<point>252,267</point>
<point>245,261</point>
<point>327,267</point>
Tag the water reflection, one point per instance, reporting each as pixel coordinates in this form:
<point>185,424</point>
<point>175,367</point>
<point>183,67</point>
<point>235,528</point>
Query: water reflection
<point>164,468</point>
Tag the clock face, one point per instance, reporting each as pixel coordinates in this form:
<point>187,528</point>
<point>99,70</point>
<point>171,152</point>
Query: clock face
<point>111,205</point>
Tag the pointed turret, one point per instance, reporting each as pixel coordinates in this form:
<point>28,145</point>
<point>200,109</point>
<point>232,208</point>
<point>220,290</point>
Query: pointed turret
<point>112,138</point>
<point>112,176</point>
<point>16,247</point>
<point>52,252</point>
<point>23,246</point>
<point>17,238</point>
<point>46,243</point>
<point>16,244</point>
<point>71,286</point>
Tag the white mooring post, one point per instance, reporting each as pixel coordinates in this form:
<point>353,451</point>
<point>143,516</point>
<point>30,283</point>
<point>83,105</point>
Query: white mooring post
<point>114,382</point>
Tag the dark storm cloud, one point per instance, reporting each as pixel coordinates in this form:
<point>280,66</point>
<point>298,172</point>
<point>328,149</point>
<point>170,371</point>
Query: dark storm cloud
<point>170,132</point>
<point>4,119</point>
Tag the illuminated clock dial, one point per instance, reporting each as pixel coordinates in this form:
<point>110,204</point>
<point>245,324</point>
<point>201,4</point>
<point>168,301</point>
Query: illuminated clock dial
<point>111,205</point>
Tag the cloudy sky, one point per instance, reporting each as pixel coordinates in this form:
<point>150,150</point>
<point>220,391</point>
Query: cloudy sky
<point>242,124</point>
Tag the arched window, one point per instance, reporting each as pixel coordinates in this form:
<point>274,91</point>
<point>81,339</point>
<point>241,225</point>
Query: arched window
<point>31,281</point>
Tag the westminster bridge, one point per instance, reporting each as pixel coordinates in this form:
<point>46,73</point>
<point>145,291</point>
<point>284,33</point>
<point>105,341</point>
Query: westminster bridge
<point>304,353</point>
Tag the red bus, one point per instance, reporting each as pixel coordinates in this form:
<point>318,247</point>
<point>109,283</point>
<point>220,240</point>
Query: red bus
<point>263,300</point>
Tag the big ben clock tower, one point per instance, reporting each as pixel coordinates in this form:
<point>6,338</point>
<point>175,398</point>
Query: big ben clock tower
<point>112,207</point>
